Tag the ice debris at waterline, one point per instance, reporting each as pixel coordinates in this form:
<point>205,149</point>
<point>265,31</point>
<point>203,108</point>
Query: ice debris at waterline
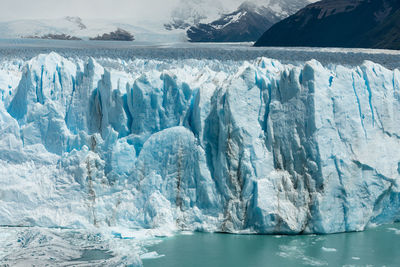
<point>245,147</point>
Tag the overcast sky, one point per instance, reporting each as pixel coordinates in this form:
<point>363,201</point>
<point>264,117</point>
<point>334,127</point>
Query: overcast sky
<point>105,9</point>
<point>142,9</point>
<point>23,9</point>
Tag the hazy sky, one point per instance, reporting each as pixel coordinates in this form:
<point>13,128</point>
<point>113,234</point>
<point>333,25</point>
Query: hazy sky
<point>141,9</point>
<point>109,9</point>
<point>23,9</point>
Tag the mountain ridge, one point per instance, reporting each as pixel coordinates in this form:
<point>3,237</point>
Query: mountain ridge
<point>246,24</point>
<point>329,23</point>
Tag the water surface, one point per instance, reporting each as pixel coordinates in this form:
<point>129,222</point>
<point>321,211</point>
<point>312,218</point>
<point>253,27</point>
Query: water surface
<point>377,247</point>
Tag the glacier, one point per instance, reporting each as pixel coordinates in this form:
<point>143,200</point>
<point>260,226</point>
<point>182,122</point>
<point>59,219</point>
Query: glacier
<point>257,146</point>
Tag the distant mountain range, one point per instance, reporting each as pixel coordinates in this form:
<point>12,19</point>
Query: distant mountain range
<point>76,28</point>
<point>328,23</point>
<point>79,28</point>
<point>339,23</point>
<point>247,23</point>
<point>191,12</point>
<point>190,20</point>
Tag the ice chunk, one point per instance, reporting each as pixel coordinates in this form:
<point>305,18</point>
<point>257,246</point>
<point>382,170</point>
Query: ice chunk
<point>329,249</point>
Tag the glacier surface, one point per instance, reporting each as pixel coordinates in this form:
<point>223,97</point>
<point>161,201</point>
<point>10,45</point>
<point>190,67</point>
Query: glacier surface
<point>201,145</point>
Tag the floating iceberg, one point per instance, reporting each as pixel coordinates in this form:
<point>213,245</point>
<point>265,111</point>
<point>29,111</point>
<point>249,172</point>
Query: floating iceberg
<point>241,147</point>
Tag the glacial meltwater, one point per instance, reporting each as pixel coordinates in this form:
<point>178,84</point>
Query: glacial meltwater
<point>374,247</point>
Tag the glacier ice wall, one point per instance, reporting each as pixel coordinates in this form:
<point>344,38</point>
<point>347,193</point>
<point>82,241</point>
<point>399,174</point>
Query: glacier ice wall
<point>242,147</point>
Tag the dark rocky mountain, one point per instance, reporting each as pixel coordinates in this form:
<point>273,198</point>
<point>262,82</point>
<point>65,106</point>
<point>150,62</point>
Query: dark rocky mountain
<point>188,13</point>
<point>50,36</point>
<point>339,23</point>
<point>118,35</point>
<point>246,24</point>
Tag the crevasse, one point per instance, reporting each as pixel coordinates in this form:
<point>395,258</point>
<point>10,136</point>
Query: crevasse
<point>244,147</point>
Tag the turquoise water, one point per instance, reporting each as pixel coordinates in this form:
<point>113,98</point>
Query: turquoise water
<point>375,247</point>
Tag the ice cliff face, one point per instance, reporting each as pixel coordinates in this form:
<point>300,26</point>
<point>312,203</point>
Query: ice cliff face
<point>199,145</point>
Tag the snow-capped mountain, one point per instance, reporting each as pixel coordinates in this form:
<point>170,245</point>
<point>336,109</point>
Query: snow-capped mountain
<point>148,31</point>
<point>36,27</point>
<point>247,23</point>
<point>203,20</point>
<point>188,13</point>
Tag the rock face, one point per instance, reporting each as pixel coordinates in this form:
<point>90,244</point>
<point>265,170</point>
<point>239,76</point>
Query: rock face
<point>118,35</point>
<point>257,147</point>
<point>332,23</point>
<point>56,37</point>
<point>245,24</point>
